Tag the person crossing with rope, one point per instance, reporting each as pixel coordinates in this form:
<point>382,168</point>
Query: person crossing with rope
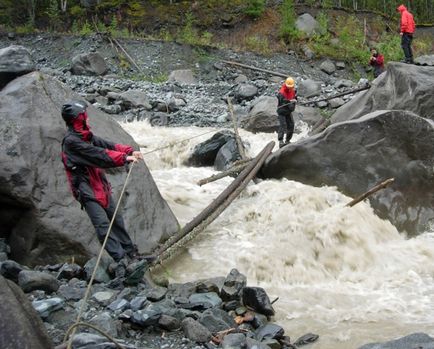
<point>287,98</point>
<point>84,157</point>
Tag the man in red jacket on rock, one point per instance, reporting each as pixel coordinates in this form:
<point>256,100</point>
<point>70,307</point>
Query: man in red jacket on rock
<point>84,156</point>
<point>377,62</point>
<point>407,30</point>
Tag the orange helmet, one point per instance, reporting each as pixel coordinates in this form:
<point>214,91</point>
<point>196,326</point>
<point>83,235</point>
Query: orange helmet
<point>289,82</point>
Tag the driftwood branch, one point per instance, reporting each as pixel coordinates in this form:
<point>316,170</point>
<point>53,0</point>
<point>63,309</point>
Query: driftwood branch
<point>254,68</point>
<point>367,87</point>
<point>237,136</point>
<point>362,197</point>
<point>231,171</point>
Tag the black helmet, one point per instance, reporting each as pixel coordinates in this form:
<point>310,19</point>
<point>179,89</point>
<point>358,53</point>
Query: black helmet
<point>71,110</point>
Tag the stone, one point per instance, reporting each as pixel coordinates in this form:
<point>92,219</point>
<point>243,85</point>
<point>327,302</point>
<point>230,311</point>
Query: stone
<point>204,153</point>
<point>402,87</point>
<point>14,61</point>
<point>307,24</point>
<point>227,155</point>
<point>47,306</point>
<point>233,285</point>
<point>182,76</point>
<point>104,322</point>
<point>328,67</point>
<point>257,299</point>
<point>20,324</point>
<point>263,116</point>
<point>34,280</point>
<point>10,270</point>
<point>234,341</point>
<point>195,331</point>
<point>89,64</point>
<point>245,92</point>
<point>308,88</point>
<point>403,151</point>
<point>31,128</point>
<point>269,331</point>
<point>414,340</point>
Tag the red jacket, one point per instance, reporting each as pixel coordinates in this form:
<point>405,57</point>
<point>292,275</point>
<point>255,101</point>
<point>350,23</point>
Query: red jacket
<point>84,157</point>
<point>379,61</point>
<point>407,21</point>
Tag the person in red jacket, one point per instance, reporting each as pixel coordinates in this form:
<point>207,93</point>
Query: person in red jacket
<point>286,100</point>
<point>377,62</point>
<point>84,157</point>
<point>407,30</point>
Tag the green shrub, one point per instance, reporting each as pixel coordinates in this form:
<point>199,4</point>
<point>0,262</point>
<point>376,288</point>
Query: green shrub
<point>287,29</point>
<point>255,8</point>
<point>86,29</point>
<point>188,33</point>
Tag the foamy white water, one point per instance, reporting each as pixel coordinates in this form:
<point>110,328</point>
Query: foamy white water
<point>340,272</point>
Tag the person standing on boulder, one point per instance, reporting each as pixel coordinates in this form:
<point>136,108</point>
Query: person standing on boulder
<point>407,30</point>
<point>84,156</point>
<point>377,61</point>
<point>286,97</point>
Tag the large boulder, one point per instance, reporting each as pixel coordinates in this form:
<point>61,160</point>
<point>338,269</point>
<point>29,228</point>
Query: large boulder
<point>182,76</point>
<point>307,24</point>
<point>89,64</point>
<point>20,325</point>
<point>263,116</point>
<point>14,61</point>
<point>358,154</point>
<point>41,220</point>
<point>414,340</point>
<point>403,87</point>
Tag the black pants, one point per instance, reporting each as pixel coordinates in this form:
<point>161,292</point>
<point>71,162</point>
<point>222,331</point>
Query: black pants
<point>286,125</point>
<point>118,242</point>
<point>406,40</point>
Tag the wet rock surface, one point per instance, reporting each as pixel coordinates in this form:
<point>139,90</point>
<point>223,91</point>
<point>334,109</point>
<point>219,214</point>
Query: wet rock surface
<point>390,144</point>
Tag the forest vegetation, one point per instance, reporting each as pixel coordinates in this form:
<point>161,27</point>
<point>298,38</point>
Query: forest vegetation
<point>348,27</point>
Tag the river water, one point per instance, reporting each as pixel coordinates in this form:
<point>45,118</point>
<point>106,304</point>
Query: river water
<point>339,272</point>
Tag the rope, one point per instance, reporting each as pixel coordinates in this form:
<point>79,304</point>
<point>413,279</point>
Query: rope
<point>98,261</point>
<point>174,143</point>
<point>96,329</point>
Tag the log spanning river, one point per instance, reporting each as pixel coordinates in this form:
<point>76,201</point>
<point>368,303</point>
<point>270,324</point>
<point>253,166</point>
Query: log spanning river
<point>339,272</point>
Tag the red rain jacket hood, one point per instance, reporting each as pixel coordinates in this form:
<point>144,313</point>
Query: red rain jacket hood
<point>407,20</point>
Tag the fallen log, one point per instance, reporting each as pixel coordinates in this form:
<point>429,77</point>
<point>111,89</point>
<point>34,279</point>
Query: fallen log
<point>258,69</point>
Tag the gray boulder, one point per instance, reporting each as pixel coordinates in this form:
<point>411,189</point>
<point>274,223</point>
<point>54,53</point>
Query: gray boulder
<point>30,280</point>
<point>182,76</point>
<point>402,87</point>
<point>44,222</point>
<point>328,67</point>
<point>356,155</point>
<point>204,153</point>
<point>89,64</point>
<point>414,340</point>
<point>245,92</point>
<point>307,24</point>
<point>425,60</point>
<point>309,88</point>
<point>263,116</point>
<point>20,325</point>
<point>14,61</point>
<point>195,331</point>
